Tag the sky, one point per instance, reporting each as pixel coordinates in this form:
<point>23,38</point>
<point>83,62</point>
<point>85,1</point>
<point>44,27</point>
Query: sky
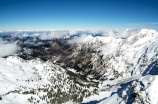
<point>78,14</point>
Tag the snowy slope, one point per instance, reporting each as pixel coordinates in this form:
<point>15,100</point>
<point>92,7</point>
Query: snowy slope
<point>143,90</point>
<point>35,81</point>
<point>130,75</point>
<point>119,58</point>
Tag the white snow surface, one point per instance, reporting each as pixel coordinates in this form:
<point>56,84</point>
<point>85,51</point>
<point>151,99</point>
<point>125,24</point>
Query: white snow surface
<point>35,81</point>
<point>18,75</point>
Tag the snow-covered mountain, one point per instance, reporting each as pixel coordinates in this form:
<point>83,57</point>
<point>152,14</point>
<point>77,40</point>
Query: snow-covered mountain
<point>35,81</point>
<point>110,71</point>
<point>131,61</point>
<point>110,58</point>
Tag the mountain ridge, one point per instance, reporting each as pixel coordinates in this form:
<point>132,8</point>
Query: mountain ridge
<point>102,69</point>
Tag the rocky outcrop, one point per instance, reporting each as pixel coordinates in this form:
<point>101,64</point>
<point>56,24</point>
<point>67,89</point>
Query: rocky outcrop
<point>111,58</point>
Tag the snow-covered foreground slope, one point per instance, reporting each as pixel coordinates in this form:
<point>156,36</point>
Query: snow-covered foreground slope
<point>140,91</point>
<point>23,82</point>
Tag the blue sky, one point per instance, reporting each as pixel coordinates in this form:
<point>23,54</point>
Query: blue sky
<point>78,14</point>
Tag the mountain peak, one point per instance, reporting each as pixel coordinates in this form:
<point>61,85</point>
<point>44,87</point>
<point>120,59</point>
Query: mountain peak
<point>147,31</point>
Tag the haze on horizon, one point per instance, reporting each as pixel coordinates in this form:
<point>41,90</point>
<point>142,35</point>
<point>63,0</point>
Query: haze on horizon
<point>78,14</point>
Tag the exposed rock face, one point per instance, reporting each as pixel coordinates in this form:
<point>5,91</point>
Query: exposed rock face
<point>46,50</point>
<point>101,57</point>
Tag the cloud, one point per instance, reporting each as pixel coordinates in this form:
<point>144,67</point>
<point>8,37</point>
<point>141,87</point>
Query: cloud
<point>72,32</point>
<point>8,48</point>
<point>78,40</point>
<point>53,35</point>
<point>94,31</point>
<point>35,35</point>
<point>25,35</point>
<point>39,43</point>
<point>28,51</point>
<point>120,33</point>
<point>109,33</point>
<point>29,41</point>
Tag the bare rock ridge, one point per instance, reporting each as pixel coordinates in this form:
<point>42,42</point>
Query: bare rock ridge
<point>99,57</point>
